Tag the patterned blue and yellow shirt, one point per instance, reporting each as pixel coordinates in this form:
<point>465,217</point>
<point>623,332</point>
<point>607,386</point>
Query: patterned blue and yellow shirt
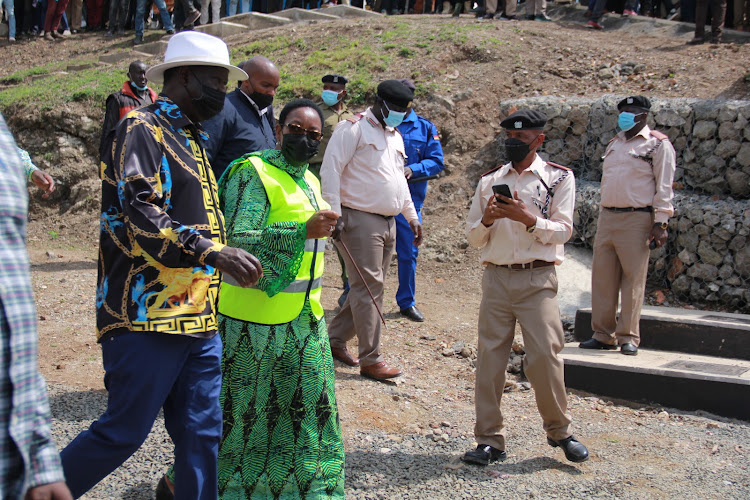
<point>161,227</point>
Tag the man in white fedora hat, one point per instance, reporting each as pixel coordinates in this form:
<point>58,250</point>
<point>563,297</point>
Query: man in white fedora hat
<point>161,247</point>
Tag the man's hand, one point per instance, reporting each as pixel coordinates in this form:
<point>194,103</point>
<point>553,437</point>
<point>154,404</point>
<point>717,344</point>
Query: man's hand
<point>338,229</point>
<point>322,224</point>
<point>416,228</point>
<point>43,181</point>
<point>244,267</point>
<point>513,209</point>
<point>408,173</point>
<point>657,235</point>
<point>51,491</point>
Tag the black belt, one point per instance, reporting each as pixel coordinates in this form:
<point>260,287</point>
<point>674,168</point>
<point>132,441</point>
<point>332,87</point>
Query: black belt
<point>386,217</point>
<point>535,264</point>
<point>629,209</point>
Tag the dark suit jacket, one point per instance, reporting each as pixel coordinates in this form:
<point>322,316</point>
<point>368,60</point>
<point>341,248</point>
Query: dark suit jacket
<point>238,130</point>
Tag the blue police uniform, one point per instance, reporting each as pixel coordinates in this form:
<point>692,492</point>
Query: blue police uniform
<point>424,156</point>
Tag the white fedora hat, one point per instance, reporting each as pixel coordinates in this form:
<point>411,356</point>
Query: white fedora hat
<point>192,48</point>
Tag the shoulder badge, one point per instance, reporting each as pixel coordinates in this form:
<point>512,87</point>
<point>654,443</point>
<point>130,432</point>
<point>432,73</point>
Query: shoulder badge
<point>355,118</point>
<point>555,165</point>
<point>491,171</point>
<point>659,135</point>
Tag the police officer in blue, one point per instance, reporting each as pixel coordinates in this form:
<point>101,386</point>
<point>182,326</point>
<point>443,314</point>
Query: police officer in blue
<point>424,158</point>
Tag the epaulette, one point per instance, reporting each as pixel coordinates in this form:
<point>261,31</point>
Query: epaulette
<point>558,166</point>
<point>659,135</point>
<point>356,118</point>
<point>493,170</point>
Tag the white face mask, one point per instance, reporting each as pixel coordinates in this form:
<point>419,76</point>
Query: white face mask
<point>394,118</point>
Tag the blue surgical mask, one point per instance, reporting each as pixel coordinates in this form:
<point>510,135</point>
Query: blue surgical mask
<point>626,120</point>
<point>394,118</point>
<point>142,89</point>
<point>330,97</point>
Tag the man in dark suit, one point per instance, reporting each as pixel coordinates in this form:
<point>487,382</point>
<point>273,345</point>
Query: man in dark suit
<point>246,124</point>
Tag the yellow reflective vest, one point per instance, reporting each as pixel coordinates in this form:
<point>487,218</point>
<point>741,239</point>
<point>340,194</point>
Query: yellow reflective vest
<point>288,203</point>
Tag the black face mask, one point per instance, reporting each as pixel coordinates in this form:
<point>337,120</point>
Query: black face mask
<point>260,100</point>
<point>298,149</point>
<point>517,149</point>
<point>210,103</point>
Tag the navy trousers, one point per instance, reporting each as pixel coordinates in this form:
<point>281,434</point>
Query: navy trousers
<point>145,372</point>
<point>407,262</point>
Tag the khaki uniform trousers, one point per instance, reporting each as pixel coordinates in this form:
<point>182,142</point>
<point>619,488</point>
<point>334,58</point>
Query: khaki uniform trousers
<point>620,266</point>
<point>510,7</point>
<point>536,7</point>
<point>529,296</point>
<point>74,14</point>
<point>371,239</point>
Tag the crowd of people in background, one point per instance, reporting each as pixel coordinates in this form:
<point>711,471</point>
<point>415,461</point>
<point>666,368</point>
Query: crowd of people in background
<point>53,19</point>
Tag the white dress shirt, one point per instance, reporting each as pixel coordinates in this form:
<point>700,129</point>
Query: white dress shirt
<point>363,169</point>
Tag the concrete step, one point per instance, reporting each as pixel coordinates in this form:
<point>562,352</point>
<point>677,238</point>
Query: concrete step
<point>302,15</point>
<point>709,333</point>
<point>348,11</point>
<point>679,380</point>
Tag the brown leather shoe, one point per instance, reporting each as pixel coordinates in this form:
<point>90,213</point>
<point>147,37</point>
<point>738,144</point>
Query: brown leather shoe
<point>343,355</point>
<point>379,371</point>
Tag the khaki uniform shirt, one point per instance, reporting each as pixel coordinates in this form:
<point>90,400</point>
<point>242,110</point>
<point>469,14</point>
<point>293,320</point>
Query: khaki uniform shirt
<point>363,169</point>
<point>507,241</point>
<point>639,173</point>
<point>330,120</point>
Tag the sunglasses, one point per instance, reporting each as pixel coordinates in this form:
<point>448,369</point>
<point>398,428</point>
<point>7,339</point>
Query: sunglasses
<point>313,135</point>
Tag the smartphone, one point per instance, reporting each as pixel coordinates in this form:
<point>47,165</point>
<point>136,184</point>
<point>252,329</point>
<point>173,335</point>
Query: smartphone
<point>502,189</point>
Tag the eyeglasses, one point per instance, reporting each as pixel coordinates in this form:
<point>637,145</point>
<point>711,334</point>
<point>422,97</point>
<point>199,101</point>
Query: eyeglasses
<point>313,135</point>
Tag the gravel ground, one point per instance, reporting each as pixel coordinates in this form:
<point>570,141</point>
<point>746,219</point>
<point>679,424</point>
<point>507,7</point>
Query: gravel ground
<point>635,452</point>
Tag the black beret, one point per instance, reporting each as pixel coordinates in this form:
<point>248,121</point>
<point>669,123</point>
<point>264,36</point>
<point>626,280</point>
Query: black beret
<point>636,101</point>
<point>525,119</point>
<point>335,79</point>
<point>395,92</point>
<point>408,83</point>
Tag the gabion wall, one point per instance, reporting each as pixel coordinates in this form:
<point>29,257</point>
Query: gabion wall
<point>706,260</point>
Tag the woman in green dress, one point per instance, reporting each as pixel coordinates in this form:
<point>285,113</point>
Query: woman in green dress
<point>281,436</point>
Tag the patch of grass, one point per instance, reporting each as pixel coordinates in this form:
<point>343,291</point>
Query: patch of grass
<point>425,89</point>
<point>262,48</point>
<point>389,46</point>
<point>399,32</point>
<point>358,60</point>
<point>406,52</point>
<point>459,33</point>
<point>493,42</point>
<point>90,85</point>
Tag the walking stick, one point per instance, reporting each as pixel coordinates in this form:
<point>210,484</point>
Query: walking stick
<point>356,268</point>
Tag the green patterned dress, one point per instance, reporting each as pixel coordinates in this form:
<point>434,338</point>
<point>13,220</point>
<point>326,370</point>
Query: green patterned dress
<point>282,437</point>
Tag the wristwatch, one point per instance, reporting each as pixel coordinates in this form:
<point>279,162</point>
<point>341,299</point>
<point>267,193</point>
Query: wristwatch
<point>663,225</point>
<point>531,228</point>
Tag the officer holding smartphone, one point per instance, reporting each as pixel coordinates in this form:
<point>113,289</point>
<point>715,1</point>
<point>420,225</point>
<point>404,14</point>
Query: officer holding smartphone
<point>522,238</point>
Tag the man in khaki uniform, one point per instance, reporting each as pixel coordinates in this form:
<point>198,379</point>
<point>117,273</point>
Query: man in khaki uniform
<point>636,194</point>
<point>363,179</point>
<point>334,111</point>
<point>522,238</point>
